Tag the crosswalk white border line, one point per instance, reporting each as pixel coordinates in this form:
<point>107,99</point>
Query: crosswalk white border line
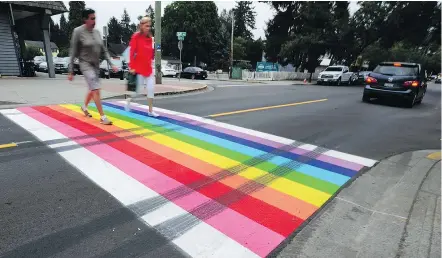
<point>201,241</point>
<point>309,147</point>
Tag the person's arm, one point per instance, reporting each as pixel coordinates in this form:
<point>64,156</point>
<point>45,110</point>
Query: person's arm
<point>133,47</point>
<point>74,49</point>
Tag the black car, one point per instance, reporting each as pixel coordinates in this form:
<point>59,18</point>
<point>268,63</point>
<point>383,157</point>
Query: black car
<point>396,80</point>
<point>193,73</point>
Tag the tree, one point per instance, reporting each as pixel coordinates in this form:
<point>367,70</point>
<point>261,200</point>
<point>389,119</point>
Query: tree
<point>75,15</point>
<point>254,50</point>
<point>64,26</point>
<point>126,28</point>
<point>203,40</point>
<point>244,15</point>
<point>115,31</point>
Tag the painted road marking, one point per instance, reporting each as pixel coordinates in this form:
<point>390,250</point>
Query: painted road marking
<point>435,156</point>
<point>7,145</point>
<point>265,108</point>
<point>225,190</point>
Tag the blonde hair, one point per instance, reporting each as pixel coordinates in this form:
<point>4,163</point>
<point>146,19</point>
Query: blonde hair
<point>143,20</point>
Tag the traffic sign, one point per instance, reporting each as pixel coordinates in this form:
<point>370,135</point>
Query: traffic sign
<point>183,34</point>
<point>180,38</point>
<point>180,45</point>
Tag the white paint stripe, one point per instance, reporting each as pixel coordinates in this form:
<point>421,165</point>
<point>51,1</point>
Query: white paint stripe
<point>200,241</point>
<point>332,153</point>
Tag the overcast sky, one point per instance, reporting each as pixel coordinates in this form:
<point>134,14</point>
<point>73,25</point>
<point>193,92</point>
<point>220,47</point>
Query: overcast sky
<point>106,9</point>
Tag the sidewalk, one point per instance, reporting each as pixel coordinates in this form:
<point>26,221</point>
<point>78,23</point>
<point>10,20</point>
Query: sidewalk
<point>393,210</point>
<point>44,91</point>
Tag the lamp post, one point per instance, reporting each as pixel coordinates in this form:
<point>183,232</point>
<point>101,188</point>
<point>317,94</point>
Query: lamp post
<point>158,78</point>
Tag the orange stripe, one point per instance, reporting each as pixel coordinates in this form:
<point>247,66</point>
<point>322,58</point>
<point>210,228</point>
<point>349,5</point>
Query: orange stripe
<point>280,200</point>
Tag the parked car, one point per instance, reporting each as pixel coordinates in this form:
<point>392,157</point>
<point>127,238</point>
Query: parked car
<point>388,80</point>
<point>61,64</point>
<point>43,67</point>
<point>362,76</point>
<point>107,72</point>
<point>168,70</point>
<point>337,74</point>
<point>438,78</point>
<point>38,60</point>
<point>193,73</point>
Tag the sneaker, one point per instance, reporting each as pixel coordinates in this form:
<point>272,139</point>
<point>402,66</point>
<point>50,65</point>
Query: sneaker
<point>127,106</point>
<point>152,114</point>
<point>105,121</point>
<point>86,113</point>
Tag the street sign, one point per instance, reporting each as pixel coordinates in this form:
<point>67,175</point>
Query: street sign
<point>180,45</point>
<point>158,47</point>
<point>183,34</point>
<point>105,31</point>
<point>180,38</point>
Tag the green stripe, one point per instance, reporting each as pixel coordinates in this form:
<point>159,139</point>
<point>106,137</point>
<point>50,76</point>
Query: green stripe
<point>271,168</point>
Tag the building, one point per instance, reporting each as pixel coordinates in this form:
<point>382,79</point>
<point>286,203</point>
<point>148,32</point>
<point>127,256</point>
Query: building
<point>40,46</point>
<point>20,19</point>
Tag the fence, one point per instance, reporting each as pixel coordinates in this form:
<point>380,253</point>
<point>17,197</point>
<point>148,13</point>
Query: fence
<point>276,76</point>
<point>265,76</point>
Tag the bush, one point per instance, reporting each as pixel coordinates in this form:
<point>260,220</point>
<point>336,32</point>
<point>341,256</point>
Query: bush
<point>64,52</point>
<point>30,53</point>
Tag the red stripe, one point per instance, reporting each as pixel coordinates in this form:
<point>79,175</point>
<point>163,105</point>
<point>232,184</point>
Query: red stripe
<point>257,210</point>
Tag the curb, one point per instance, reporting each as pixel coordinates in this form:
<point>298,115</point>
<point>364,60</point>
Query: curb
<point>434,156</point>
<point>167,93</point>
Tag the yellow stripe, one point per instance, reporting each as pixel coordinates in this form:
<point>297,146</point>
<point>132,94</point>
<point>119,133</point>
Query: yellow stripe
<point>281,184</point>
<point>7,145</point>
<point>435,156</point>
<point>265,108</point>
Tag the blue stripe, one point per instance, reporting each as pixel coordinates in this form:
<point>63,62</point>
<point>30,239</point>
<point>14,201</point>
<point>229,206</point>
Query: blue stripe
<point>292,156</point>
<point>324,175</point>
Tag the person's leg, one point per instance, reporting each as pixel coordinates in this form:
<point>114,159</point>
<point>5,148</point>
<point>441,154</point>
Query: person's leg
<point>150,95</point>
<point>138,88</point>
<point>94,87</point>
<point>89,81</point>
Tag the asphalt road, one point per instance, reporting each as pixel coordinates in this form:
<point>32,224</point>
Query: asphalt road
<point>49,209</point>
<point>342,122</point>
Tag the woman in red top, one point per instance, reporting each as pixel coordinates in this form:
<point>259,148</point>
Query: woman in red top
<point>140,62</point>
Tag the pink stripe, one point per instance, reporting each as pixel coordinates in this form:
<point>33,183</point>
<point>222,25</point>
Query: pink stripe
<point>245,231</point>
<point>299,151</point>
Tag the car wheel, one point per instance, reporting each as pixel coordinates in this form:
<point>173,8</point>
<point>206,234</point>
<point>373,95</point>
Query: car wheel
<point>338,82</point>
<point>409,103</point>
<point>365,98</point>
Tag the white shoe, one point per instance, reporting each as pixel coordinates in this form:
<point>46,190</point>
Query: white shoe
<point>152,114</point>
<point>127,106</point>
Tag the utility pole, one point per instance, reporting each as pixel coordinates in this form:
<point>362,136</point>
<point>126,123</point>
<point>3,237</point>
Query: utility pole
<point>158,78</point>
<point>231,46</point>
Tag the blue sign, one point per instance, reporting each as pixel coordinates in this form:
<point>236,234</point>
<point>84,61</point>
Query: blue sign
<point>158,47</point>
<point>266,67</point>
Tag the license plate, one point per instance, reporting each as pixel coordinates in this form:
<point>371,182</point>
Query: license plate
<point>389,85</point>
<point>106,73</point>
<point>326,80</point>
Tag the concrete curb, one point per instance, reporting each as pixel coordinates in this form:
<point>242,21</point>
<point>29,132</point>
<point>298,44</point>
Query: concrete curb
<point>204,87</point>
<point>384,193</point>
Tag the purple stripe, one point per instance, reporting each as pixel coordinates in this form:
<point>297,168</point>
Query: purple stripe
<point>299,151</point>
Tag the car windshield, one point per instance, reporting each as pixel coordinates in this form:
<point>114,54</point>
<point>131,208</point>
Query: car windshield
<point>333,69</point>
<point>396,70</point>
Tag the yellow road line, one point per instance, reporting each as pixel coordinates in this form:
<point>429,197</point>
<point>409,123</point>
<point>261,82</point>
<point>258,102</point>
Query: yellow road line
<point>435,156</point>
<point>7,145</point>
<point>268,107</point>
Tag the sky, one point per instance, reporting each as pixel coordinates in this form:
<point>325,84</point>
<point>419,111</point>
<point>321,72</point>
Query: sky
<point>106,9</point>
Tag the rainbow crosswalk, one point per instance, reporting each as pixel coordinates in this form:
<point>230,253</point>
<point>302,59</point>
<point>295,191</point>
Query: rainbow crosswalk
<point>212,189</point>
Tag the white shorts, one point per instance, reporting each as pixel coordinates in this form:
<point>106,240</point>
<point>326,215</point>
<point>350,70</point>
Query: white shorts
<point>92,79</point>
<point>148,83</point>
